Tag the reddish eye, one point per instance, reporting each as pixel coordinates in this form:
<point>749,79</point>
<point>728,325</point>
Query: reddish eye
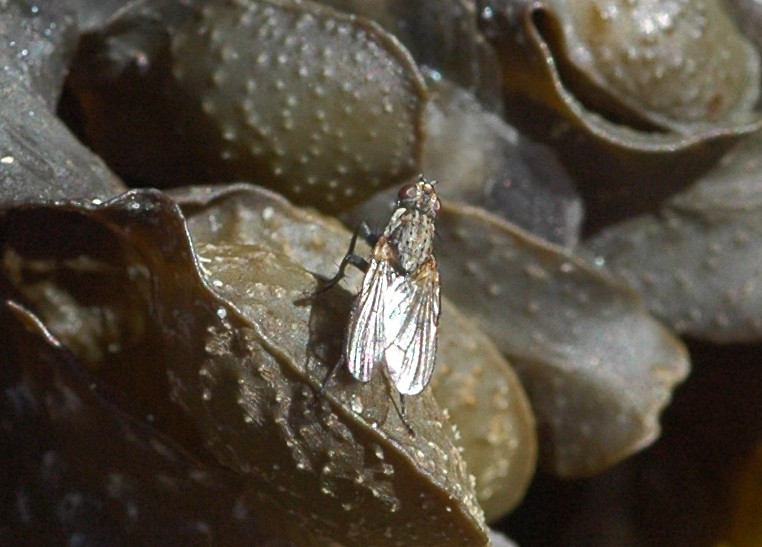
<point>408,191</point>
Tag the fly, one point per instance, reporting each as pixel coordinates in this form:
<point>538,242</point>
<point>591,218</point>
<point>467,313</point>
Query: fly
<point>395,316</point>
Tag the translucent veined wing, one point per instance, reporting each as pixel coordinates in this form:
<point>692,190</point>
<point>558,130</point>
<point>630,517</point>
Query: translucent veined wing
<point>365,337</point>
<point>411,321</point>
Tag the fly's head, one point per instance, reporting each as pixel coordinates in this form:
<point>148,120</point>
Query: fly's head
<point>419,196</point>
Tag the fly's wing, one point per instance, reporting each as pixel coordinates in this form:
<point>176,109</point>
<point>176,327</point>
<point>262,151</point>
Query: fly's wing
<point>412,317</point>
<point>365,336</point>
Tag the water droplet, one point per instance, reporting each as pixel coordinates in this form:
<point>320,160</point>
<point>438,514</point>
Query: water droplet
<point>356,405</point>
<point>327,489</point>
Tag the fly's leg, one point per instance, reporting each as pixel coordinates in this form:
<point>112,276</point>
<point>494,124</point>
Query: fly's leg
<point>369,237</point>
<point>331,374</point>
<point>351,258</point>
<point>359,263</point>
<point>403,416</point>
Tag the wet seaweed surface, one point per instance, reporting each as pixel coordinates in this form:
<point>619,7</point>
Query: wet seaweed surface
<point>179,177</point>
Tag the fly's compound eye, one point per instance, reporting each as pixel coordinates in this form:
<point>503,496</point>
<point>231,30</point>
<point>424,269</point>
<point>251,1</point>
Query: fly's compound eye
<point>409,191</point>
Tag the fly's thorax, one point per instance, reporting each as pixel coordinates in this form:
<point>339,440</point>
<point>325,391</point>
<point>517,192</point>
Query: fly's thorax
<point>411,233</point>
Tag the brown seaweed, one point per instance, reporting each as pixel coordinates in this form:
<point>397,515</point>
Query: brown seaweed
<point>238,375</point>
<point>597,367</point>
<point>39,157</point>
<point>637,79</point>
<point>697,262</point>
<point>324,107</point>
<point>71,486</point>
<point>472,380</point>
